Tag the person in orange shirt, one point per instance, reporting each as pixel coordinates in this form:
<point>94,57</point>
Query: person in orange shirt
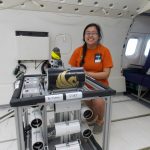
<point>96,60</point>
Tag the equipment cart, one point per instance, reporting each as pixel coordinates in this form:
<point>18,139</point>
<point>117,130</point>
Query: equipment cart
<point>55,119</point>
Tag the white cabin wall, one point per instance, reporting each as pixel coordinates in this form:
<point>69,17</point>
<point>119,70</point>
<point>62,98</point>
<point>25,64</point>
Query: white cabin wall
<point>114,32</point>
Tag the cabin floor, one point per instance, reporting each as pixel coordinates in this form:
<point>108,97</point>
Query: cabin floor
<point>130,127</point>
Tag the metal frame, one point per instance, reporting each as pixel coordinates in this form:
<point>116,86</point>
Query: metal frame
<point>107,123</point>
<point>140,95</point>
<point>19,115</point>
<point>106,132</point>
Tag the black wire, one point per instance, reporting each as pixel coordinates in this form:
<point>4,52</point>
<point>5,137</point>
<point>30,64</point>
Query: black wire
<point>39,64</point>
<point>95,143</point>
<point>45,64</point>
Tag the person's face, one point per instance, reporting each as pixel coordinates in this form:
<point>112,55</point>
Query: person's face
<point>91,36</point>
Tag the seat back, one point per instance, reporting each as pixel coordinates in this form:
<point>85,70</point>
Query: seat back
<point>147,63</point>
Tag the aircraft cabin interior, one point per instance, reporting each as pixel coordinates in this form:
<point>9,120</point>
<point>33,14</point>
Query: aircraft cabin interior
<point>66,63</point>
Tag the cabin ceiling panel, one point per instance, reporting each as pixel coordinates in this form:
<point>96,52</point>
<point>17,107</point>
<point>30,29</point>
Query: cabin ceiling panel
<point>5,4</point>
<point>107,8</point>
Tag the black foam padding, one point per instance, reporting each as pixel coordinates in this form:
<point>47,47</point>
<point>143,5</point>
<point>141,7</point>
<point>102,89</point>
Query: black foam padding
<point>57,79</point>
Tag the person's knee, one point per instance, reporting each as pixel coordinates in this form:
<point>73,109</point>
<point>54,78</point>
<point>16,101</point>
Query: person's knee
<point>99,103</point>
<point>89,103</point>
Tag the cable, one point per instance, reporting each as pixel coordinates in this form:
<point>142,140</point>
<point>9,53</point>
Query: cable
<point>44,66</point>
<point>95,143</point>
<point>38,64</point>
<point>19,70</point>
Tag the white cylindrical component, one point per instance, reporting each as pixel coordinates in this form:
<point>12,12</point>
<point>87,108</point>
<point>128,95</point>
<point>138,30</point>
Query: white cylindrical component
<point>85,130</point>
<point>66,128</point>
<point>35,117</point>
<point>86,113</point>
<point>68,146</point>
<point>37,139</point>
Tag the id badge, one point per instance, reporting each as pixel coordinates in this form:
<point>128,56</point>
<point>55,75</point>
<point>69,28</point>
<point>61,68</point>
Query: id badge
<point>97,58</point>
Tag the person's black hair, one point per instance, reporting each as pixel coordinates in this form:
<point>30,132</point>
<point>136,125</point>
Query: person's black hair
<point>98,28</point>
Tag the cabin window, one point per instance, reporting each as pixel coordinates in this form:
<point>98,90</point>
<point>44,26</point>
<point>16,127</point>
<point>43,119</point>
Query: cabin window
<point>131,46</point>
<point>147,49</point>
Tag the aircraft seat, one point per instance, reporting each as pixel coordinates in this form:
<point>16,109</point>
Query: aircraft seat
<point>139,76</point>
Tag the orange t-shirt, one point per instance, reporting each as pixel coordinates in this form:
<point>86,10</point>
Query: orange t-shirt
<point>95,60</point>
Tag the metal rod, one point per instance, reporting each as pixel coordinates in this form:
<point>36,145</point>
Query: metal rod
<point>106,134</point>
<point>45,125</point>
<point>19,128</point>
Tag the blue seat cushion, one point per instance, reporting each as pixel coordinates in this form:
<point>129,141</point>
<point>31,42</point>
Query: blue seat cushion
<point>134,77</point>
<point>146,81</point>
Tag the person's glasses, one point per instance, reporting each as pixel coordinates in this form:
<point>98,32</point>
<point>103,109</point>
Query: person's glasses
<point>91,33</point>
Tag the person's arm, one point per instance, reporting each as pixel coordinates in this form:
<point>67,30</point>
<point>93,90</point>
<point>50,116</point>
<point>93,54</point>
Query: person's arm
<point>99,75</point>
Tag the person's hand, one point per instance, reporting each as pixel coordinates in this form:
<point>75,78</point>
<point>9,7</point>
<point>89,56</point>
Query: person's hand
<point>88,73</point>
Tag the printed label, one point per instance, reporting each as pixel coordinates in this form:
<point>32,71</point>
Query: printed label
<point>74,95</point>
<point>54,98</point>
